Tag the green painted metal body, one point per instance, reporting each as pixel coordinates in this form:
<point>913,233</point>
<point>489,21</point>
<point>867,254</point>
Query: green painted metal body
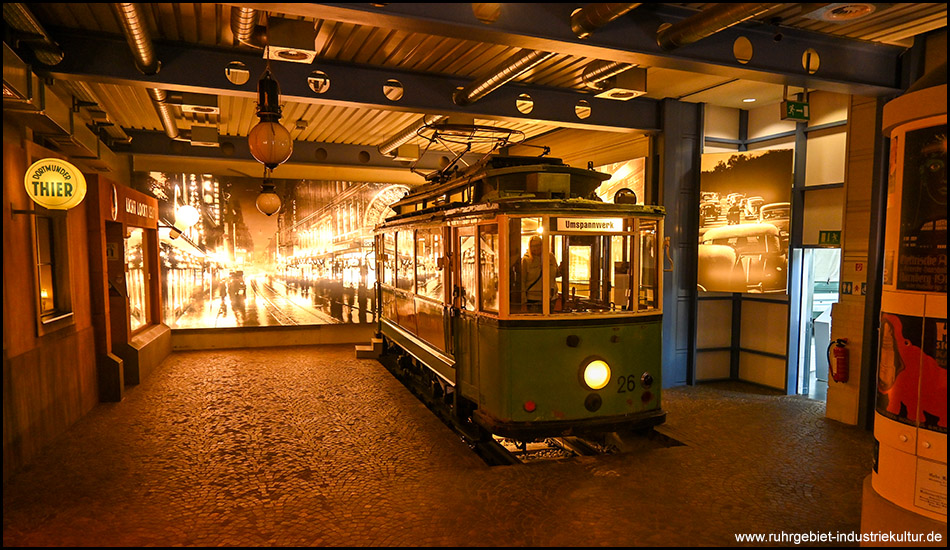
<point>517,362</point>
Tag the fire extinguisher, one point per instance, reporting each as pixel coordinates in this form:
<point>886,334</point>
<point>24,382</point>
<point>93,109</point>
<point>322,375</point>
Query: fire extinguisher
<point>838,360</point>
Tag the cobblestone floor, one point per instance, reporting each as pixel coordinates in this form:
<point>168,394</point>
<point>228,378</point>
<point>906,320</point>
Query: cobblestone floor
<point>309,446</point>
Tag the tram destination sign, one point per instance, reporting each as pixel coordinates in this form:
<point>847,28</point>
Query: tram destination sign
<point>591,225</point>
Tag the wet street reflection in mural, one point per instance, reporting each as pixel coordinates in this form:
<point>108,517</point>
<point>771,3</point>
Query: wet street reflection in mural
<point>225,264</point>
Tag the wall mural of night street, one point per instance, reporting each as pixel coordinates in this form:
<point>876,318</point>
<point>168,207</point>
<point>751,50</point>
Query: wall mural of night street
<point>225,264</point>
<point>744,216</point>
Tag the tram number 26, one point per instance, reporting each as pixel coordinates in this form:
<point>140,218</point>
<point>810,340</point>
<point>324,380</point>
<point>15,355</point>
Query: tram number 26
<point>626,384</point>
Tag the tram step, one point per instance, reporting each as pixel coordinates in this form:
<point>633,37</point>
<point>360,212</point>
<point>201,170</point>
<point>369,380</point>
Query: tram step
<point>372,351</point>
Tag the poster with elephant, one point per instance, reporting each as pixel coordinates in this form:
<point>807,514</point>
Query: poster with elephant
<point>744,217</point>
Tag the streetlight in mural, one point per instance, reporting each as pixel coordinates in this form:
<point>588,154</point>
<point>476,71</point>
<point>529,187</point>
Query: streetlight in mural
<point>269,141</point>
<point>186,215</point>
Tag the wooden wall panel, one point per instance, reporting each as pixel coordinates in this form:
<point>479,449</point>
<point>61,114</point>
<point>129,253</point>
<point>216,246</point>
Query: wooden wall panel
<point>49,381</point>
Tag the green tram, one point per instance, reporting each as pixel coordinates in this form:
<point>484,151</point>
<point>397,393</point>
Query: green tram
<point>530,307</point>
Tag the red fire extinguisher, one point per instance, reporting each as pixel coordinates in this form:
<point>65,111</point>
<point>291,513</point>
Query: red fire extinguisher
<point>838,364</point>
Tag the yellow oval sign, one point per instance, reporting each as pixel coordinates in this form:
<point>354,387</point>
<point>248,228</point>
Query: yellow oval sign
<point>55,184</point>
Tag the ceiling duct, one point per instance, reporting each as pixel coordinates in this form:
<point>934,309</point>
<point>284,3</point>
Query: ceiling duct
<point>53,120</point>
<point>244,26</point>
<point>140,41</point>
<point>586,20</point>
<point>27,30</point>
<point>20,85</point>
<point>707,23</point>
<point>410,132</point>
<point>500,75</point>
<point>136,33</point>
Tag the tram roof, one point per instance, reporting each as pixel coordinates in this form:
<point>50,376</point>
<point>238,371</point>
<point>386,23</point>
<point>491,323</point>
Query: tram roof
<point>524,205</point>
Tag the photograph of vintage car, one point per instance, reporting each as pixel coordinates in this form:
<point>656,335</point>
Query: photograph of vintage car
<point>743,258</point>
<point>744,220</point>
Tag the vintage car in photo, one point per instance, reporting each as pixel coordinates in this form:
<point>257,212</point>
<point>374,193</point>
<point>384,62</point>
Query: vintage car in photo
<point>752,206</point>
<point>742,258</point>
<point>779,215</point>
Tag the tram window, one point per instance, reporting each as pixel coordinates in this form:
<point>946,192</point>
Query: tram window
<point>404,261</point>
<point>585,272</point>
<point>525,286</point>
<point>620,255</point>
<point>488,267</point>
<point>428,274</point>
<point>389,260</point>
<point>468,274</point>
<point>649,264</point>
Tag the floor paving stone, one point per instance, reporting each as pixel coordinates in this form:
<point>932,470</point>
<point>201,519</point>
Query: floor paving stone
<point>309,446</point>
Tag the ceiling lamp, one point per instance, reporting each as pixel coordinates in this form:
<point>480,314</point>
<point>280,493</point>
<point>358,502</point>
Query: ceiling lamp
<point>268,202</point>
<point>269,141</point>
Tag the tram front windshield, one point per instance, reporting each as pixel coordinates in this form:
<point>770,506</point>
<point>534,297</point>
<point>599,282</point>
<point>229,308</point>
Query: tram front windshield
<point>592,272</point>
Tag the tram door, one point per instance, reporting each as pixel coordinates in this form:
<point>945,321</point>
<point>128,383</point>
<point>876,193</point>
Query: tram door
<point>464,284</point>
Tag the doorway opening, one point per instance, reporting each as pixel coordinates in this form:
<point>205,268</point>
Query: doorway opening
<point>821,269</point>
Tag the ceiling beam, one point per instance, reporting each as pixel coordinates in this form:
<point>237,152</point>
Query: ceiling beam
<point>191,69</point>
<point>846,65</point>
<point>310,160</point>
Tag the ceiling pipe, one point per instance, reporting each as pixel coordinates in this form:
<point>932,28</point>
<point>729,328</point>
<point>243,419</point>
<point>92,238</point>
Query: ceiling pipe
<point>30,31</point>
<point>136,33</point>
<point>410,132</point>
<point>707,23</point>
<point>500,75</point>
<point>244,26</point>
<point>591,17</point>
<point>596,73</point>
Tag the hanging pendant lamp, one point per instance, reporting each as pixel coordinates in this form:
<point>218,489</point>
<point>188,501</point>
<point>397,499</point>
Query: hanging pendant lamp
<point>268,201</point>
<point>269,141</point>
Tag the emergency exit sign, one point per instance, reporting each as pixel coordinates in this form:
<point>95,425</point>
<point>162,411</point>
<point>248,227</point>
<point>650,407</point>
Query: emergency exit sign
<point>832,238</point>
<point>795,110</point>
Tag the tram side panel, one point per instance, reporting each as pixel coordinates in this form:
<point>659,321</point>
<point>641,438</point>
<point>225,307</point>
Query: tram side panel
<point>466,356</point>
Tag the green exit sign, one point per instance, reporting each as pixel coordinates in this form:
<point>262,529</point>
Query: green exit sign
<point>795,110</point>
<point>832,238</point>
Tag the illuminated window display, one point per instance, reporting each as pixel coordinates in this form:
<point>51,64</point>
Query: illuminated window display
<point>136,279</point>
<point>231,266</point>
<point>744,219</point>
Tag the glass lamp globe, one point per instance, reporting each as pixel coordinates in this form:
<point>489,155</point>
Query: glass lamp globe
<point>270,143</point>
<point>268,202</point>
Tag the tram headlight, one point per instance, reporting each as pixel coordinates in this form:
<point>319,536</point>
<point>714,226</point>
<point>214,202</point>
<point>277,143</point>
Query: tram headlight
<point>596,374</point>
